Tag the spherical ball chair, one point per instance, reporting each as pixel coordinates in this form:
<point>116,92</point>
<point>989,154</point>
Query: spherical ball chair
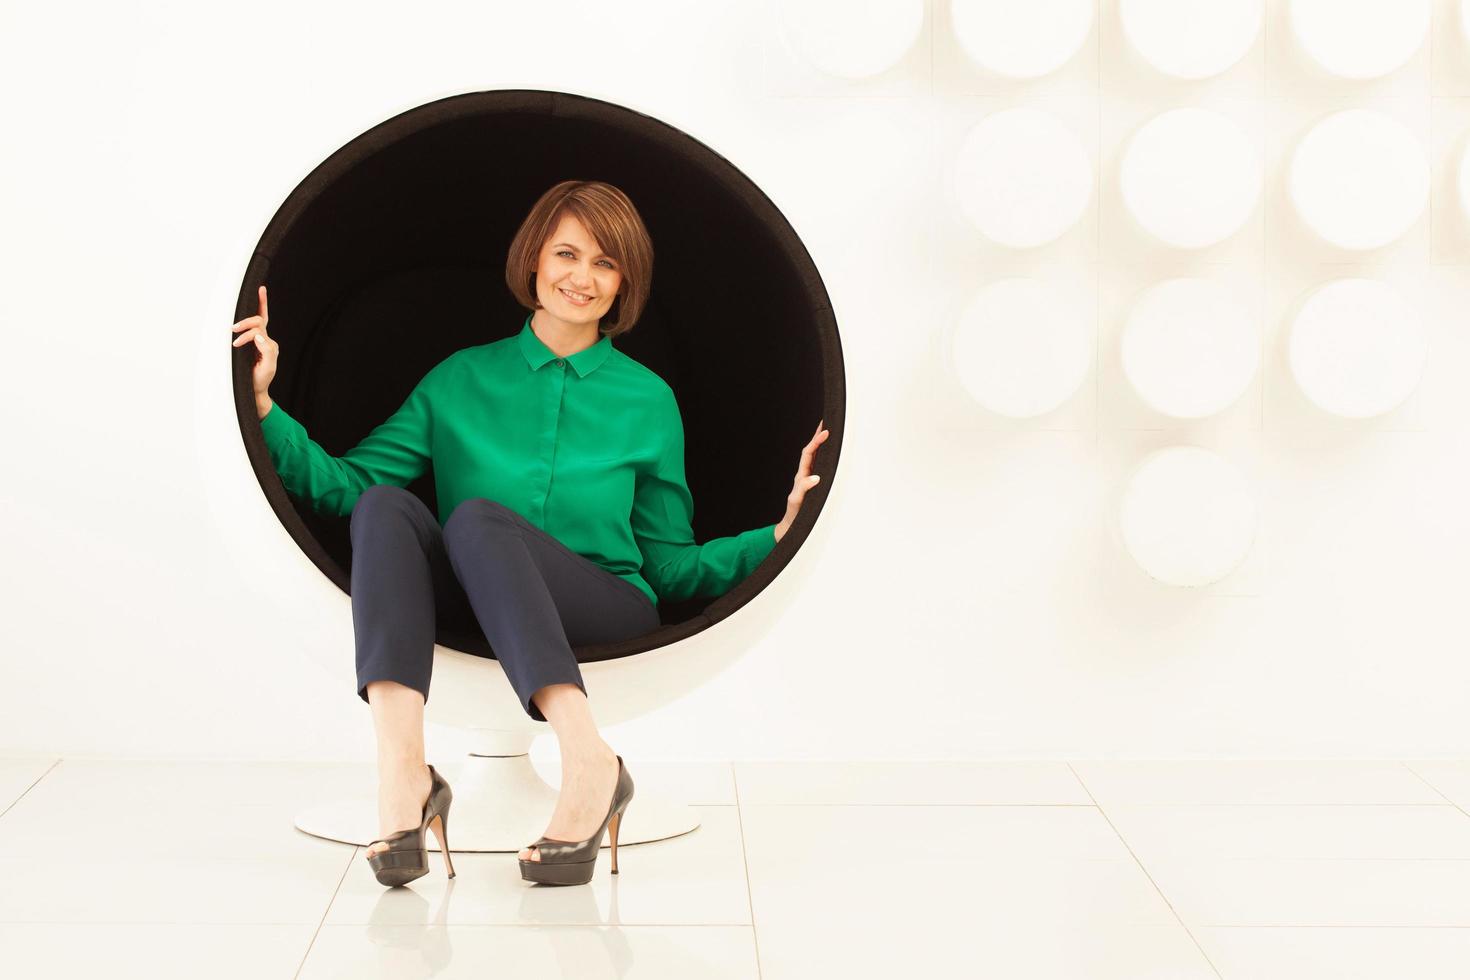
<point>390,256</point>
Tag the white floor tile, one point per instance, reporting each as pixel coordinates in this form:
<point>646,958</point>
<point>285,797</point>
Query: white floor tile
<point>983,948</point>
<point>1253,782</point>
<point>584,952</point>
<point>695,879</point>
<point>1338,953</point>
<point>1294,869</point>
<point>174,811</point>
<point>1160,831</point>
<point>937,871</point>
<point>106,841</point>
<point>1315,892</point>
<point>970,833</point>
<point>152,951</point>
<point>143,883</point>
<point>909,783</point>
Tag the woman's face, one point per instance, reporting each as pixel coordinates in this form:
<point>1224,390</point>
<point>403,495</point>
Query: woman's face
<point>571,261</point>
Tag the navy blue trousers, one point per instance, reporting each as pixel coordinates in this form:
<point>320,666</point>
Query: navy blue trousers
<point>533,597</point>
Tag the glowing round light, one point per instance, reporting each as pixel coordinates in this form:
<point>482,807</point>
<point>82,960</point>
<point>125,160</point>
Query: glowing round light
<point>1188,517</point>
<point>1190,177</point>
<point>1190,347</point>
<point>1359,38</point>
<point>1359,179</point>
<point>1022,178</point>
<point>1357,348</point>
<point>1018,351</point>
<point>1191,39</point>
<point>1021,40</point>
<point>852,38</point>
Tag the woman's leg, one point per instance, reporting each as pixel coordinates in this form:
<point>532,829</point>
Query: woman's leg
<point>534,599</point>
<point>403,776</point>
<point>589,766</point>
<point>398,568</point>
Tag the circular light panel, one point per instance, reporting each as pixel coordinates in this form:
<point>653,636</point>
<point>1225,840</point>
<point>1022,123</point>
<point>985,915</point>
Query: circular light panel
<point>850,39</point>
<point>1022,178</point>
<point>1188,516</point>
<point>1356,348</point>
<point>1190,348</point>
<point>1018,351</point>
<point>1190,177</point>
<point>1358,39</point>
<point>1359,179</point>
<point>1021,39</point>
<point>1191,39</point>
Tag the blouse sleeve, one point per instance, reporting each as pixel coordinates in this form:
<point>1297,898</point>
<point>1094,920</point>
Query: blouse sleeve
<point>663,511</point>
<point>395,452</point>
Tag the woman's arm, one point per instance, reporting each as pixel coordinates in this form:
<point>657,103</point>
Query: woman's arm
<point>396,452</point>
<point>673,564</point>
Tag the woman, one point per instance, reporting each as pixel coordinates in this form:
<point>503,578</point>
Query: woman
<point>563,518</point>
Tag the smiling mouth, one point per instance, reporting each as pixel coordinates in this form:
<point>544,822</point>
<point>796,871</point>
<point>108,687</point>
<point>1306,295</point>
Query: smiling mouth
<point>576,298</point>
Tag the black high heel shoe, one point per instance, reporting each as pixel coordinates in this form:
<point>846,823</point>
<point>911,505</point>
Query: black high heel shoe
<point>571,862</point>
<point>407,856</point>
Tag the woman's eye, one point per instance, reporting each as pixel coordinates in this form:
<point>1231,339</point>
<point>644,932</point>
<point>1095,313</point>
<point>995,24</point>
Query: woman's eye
<point>568,254</point>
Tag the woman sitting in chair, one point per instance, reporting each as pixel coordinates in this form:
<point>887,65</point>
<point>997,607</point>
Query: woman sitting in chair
<point>564,517</point>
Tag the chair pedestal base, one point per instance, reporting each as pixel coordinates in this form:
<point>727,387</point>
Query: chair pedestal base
<point>500,804</point>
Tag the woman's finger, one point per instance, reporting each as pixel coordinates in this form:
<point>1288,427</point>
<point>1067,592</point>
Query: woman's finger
<point>264,309</point>
<point>253,333</point>
<point>805,479</point>
<point>800,487</point>
<point>810,451</point>
<point>249,321</point>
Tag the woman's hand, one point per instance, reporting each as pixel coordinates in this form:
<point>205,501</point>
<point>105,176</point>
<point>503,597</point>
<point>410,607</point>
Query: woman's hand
<point>265,365</point>
<point>804,481</point>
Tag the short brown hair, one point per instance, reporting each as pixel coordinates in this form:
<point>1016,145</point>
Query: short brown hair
<point>610,218</point>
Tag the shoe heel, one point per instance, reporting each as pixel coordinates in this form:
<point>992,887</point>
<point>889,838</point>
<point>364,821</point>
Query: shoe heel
<point>407,856</point>
<point>617,821</point>
<point>572,862</point>
<point>437,825</point>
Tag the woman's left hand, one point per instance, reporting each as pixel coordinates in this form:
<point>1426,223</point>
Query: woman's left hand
<point>805,480</point>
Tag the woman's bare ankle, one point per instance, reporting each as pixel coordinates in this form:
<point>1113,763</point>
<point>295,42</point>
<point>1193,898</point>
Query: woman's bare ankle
<point>400,763</point>
<point>587,752</point>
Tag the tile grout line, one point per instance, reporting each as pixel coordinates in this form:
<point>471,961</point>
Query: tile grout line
<point>745,862</point>
<point>1426,782</point>
<point>1180,919</point>
<point>49,769</point>
<point>325,912</point>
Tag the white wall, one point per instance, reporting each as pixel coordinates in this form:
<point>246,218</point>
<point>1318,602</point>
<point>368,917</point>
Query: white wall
<point>970,599</point>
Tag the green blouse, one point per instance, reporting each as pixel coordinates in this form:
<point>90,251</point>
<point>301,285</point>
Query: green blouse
<point>589,448</point>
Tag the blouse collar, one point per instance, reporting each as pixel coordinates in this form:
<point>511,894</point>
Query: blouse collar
<point>584,362</point>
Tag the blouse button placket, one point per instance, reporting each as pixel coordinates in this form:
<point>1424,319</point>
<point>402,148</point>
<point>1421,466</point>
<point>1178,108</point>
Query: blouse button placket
<point>554,393</point>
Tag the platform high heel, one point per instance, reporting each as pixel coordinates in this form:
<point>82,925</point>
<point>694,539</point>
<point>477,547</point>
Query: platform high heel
<point>407,856</point>
<point>571,862</point>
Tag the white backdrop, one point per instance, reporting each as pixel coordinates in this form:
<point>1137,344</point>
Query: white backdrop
<point>966,596</point>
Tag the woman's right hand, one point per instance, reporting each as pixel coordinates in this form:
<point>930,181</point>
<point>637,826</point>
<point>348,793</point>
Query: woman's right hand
<point>265,364</point>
